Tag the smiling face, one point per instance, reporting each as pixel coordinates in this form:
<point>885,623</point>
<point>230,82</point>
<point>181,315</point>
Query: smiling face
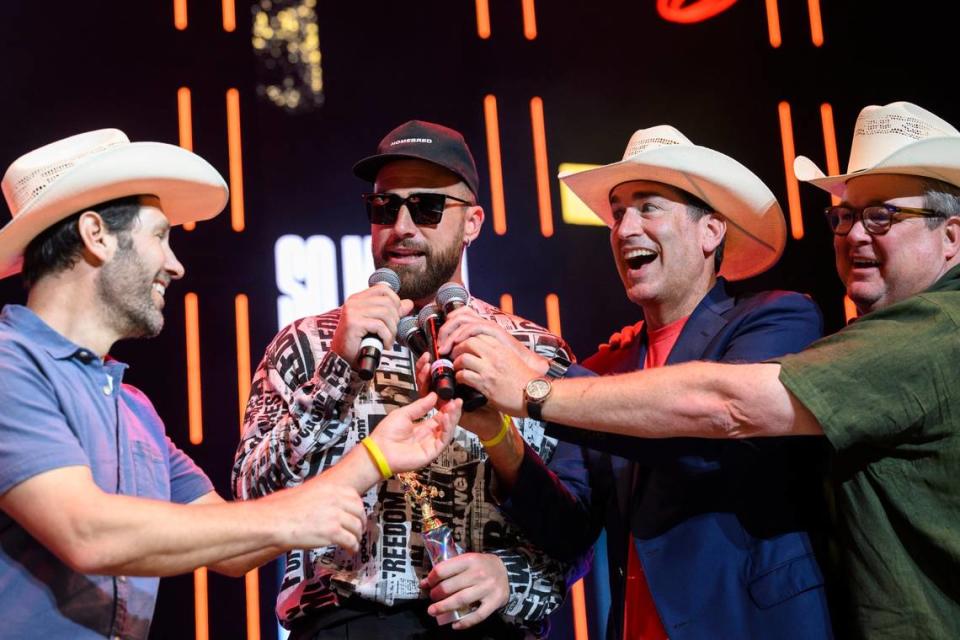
<point>880,270</point>
<point>664,253</point>
<point>424,256</point>
<point>131,285</point>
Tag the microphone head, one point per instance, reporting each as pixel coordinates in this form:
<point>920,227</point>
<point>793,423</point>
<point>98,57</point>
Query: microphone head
<point>429,311</point>
<point>405,329</point>
<point>385,276</point>
<point>452,292</point>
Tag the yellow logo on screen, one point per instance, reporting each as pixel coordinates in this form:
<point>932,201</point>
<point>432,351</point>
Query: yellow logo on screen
<point>573,209</point>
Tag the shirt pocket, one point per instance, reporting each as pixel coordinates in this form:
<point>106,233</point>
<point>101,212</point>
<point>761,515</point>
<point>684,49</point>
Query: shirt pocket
<point>785,581</point>
<point>150,471</point>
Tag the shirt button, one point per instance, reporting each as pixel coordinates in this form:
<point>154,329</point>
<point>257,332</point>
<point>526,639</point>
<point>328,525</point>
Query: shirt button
<point>122,578</point>
<point>106,389</point>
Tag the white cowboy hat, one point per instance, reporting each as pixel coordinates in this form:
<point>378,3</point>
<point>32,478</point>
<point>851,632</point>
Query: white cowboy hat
<point>756,230</point>
<point>63,177</point>
<point>899,137</point>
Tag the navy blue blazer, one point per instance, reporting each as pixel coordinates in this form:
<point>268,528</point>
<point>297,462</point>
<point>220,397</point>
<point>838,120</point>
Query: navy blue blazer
<point>722,527</point>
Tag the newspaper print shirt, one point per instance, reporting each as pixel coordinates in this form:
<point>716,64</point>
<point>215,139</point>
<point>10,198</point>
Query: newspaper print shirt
<point>307,408</point>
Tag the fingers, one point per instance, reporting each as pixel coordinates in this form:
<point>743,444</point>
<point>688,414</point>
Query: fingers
<point>418,408</point>
<point>423,373</point>
<point>476,616</point>
<point>461,599</point>
<point>446,569</point>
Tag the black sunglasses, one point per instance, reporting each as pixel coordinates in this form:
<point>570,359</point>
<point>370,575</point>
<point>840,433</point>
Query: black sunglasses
<point>424,208</point>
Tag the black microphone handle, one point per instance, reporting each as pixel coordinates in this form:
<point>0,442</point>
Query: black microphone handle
<point>368,358</point>
<point>472,399</point>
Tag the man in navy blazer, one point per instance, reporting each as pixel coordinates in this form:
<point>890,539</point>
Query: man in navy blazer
<point>722,529</point>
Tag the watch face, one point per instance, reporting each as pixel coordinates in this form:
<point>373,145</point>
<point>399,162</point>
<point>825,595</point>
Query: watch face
<point>538,389</point>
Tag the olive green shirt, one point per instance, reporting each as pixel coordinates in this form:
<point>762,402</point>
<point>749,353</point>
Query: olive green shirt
<point>886,391</point>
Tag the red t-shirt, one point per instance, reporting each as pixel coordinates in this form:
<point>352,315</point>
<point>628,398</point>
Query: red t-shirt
<point>640,619</point>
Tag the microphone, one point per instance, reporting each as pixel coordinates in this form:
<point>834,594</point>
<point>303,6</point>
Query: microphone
<point>368,358</point>
<point>410,336</point>
<point>441,371</point>
<point>450,297</point>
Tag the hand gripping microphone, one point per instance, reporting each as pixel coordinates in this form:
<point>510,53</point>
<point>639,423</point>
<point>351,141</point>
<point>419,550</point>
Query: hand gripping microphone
<point>368,358</point>
<point>452,296</point>
<point>441,371</point>
<point>410,336</point>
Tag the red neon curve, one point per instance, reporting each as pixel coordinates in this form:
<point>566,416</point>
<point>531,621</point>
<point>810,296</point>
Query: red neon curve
<point>684,12</point>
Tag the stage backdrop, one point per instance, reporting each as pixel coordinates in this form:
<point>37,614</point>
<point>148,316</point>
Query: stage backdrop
<point>283,96</point>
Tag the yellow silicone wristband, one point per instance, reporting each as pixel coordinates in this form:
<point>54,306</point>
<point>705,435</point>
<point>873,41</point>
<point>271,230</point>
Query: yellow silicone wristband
<point>506,422</point>
<point>378,457</point>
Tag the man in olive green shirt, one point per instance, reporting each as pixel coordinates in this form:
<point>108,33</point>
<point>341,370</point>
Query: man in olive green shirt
<point>884,390</point>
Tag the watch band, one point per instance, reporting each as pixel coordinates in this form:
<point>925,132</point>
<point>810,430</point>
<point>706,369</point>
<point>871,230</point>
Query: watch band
<point>558,366</point>
<point>533,410</point>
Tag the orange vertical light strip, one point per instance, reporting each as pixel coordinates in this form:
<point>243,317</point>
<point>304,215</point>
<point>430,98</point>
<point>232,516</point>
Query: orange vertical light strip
<point>229,16</point>
<point>200,606</point>
<point>185,122</point>
<point>252,578</point>
<point>483,19</point>
<point>180,14</point>
<point>496,166</point>
<point>580,631</point>
<point>185,117</point>
<point>849,309</point>
<point>252,584</point>
<point>242,312</point>
<point>553,313</point>
<point>542,168</point>
<point>830,144</point>
<point>773,23</point>
<point>506,303</point>
<point>793,188</point>
<point>236,161</point>
<point>529,20</point>
<point>816,24</point>
<point>194,409</point>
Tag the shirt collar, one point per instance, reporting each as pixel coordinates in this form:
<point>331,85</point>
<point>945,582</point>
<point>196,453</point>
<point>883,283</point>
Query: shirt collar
<point>25,321</point>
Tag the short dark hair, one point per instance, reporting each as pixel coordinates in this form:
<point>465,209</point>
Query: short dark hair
<point>696,209</point>
<point>59,246</point>
<point>942,197</point>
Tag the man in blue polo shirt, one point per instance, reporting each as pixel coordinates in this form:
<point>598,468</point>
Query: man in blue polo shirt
<point>95,500</point>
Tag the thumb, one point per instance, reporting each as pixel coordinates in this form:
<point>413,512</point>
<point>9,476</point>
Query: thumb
<point>406,306</point>
<point>419,408</point>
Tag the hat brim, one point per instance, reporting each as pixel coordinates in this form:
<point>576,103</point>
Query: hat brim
<point>188,187</point>
<point>937,158</point>
<point>368,168</point>
<point>756,229</point>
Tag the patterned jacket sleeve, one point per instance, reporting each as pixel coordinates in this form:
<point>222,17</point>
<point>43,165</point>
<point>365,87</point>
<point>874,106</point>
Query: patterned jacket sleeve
<point>298,409</point>
<point>538,582</point>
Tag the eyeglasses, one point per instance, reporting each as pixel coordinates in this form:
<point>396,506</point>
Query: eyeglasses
<point>424,208</point>
<point>876,219</point>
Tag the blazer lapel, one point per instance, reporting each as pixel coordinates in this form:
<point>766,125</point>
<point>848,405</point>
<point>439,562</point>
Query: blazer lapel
<point>704,324</point>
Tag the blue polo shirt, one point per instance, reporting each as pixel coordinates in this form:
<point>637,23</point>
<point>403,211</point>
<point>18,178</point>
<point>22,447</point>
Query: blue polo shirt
<point>60,406</point>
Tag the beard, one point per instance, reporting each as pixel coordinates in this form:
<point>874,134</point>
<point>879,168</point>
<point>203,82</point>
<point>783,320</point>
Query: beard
<point>125,291</point>
<point>420,282</point>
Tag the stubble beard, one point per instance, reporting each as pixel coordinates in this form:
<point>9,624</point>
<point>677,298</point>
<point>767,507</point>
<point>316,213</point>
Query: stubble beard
<point>125,293</point>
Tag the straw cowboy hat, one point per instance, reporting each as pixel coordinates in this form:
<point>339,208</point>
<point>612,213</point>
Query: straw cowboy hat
<point>64,177</point>
<point>899,137</point>
<point>756,230</point>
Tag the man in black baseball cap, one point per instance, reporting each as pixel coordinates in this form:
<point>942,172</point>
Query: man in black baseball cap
<point>309,407</point>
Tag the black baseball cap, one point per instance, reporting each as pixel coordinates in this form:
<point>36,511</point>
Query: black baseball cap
<point>419,140</point>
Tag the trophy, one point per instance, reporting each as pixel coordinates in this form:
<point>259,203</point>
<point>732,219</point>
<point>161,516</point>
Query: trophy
<point>437,537</point>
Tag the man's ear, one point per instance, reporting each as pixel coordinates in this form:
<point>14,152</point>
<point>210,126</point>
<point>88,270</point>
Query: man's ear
<point>472,223</point>
<point>951,237</point>
<point>99,244</point>
<point>712,232</point>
